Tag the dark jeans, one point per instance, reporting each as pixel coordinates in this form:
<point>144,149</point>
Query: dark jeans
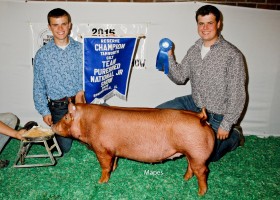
<point>58,110</point>
<point>221,146</point>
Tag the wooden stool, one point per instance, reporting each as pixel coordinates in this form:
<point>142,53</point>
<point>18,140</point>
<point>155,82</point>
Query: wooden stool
<point>25,146</point>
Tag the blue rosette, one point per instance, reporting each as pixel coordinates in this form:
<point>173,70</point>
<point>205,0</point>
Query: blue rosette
<point>162,64</point>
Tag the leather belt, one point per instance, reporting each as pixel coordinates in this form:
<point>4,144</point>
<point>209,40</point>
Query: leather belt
<point>64,99</point>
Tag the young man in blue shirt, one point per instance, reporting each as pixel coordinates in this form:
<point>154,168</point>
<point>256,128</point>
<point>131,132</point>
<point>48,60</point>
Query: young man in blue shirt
<point>57,72</point>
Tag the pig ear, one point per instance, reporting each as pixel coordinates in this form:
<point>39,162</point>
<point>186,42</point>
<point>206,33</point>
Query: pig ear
<point>72,108</point>
<point>80,97</point>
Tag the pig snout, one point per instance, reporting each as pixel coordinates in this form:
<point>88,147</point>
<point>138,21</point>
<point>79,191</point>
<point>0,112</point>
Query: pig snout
<point>63,126</point>
<point>60,130</point>
<point>56,130</point>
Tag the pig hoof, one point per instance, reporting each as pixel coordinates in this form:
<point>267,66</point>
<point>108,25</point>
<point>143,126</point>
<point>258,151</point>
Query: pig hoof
<point>188,176</point>
<point>201,192</point>
<point>103,180</point>
<point>100,182</point>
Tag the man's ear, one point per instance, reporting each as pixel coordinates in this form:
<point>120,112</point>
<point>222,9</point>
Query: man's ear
<point>70,26</point>
<point>219,24</point>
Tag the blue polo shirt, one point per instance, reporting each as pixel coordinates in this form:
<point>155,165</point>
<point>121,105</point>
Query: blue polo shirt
<point>58,73</point>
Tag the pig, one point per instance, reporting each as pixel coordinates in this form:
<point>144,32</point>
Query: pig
<point>143,134</point>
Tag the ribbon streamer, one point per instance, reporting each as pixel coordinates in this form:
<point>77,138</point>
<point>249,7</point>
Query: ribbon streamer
<point>162,64</point>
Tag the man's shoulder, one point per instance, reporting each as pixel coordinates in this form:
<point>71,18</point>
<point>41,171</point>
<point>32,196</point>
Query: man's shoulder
<point>229,46</point>
<point>229,50</point>
<point>75,42</point>
<point>45,47</point>
<point>194,48</point>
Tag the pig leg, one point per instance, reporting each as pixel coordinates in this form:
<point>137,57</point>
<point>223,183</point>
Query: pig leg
<point>200,171</point>
<point>105,161</point>
<point>115,163</point>
<point>189,172</point>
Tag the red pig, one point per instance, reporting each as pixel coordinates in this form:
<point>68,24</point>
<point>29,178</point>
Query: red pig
<point>142,134</point>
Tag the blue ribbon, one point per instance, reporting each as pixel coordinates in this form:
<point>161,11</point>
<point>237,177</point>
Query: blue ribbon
<point>162,64</point>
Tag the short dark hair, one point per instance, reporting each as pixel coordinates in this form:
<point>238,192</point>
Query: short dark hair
<point>206,10</point>
<point>58,12</point>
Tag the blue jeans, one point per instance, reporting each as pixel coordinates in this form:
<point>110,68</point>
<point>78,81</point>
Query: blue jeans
<point>58,110</point>
<point>221,146</point>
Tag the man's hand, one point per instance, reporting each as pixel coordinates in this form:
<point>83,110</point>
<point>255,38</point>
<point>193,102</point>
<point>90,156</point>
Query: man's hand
<point>19,133</point>
<point>48,120</point>
<point>222,134</point>
<point>170,52</point>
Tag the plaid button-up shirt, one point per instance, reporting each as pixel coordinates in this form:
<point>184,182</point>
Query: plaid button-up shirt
<point>217,80</point>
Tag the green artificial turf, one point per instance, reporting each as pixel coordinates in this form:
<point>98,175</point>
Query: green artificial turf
<point>250,172</point>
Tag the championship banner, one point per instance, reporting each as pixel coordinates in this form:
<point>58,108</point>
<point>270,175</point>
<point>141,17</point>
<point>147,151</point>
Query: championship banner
<point>41,35</point>
<point>107,64</point>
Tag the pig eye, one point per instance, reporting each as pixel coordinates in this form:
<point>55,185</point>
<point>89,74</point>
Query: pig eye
<point>67,117</point>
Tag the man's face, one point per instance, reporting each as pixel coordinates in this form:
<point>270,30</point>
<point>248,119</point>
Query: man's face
<point>60,28</point>
<point>207,28</point>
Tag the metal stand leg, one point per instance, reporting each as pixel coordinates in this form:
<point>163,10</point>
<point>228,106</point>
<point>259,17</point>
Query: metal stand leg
<point>24,150</point>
